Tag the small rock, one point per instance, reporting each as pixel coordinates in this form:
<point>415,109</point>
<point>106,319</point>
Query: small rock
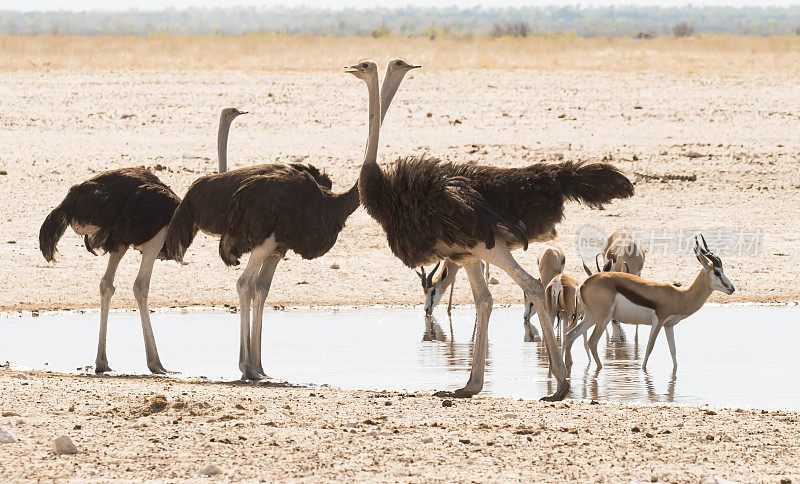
<point>334,266</point>
<point>692,154</point>
<point>20,376</point>
<point>3,172</point>
<point>493,281</point>
<point>648,435</point>
<point>429,115</point>
<point>71,407</point>
<point>7,413</point>
<point>562,116</point>
<point>464,441</point>
<point>64,445</point>
<point>6,437</point>
<point>710,438</point>
<point>510,415</point>
<point>636,430</point>
<point>427,440</point>
<point>558,156</point>
<point>210,470</point>
<point>717,480</point>
<point>786,480</point>
<point>447,403</point>
<point>157,403</point>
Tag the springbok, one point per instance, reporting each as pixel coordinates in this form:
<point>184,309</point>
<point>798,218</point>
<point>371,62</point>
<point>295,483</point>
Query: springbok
<point>434,290</point>
<point>625,254</point>
<point>631,299</point>
<point>551,262</point>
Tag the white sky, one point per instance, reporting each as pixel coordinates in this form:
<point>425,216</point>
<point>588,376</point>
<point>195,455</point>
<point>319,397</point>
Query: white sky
<point>77,5</point>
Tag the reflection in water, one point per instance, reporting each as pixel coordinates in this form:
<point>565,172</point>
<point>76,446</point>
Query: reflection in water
<point>381,349</point>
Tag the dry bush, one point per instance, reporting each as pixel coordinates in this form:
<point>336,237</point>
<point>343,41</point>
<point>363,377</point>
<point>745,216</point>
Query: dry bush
<point>682,29</point>
<point>719,55</point>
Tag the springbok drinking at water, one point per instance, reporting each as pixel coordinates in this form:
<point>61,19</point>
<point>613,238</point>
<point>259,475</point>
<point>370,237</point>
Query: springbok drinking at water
<point>631,299</point>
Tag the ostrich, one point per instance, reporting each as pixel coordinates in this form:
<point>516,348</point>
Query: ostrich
<point>226,117</point>
<point>115,210</point>
<point>267,210</point>
<point>432,210</point>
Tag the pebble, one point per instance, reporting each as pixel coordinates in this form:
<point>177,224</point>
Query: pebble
<point>717,480</point>
<point>6,437</point>
<point>8,413</point>
<point>427,440</point>
<point>210,470</point>
<point>334,266</point>
<point>447,403</point>
<point>64,445</point>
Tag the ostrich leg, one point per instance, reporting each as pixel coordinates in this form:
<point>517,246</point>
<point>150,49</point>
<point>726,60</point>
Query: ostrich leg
<point>141,289</point>
<point>246,287</point>
<point>501,257</point>
<point>106,291</point>
<point>263,284</point>
<point>483,309</point>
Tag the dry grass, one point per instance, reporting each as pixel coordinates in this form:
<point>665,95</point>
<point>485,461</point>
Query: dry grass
<point>715,55</point>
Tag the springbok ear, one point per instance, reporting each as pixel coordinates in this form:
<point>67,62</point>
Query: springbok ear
<point>444,274</point>
<point>700,257</point>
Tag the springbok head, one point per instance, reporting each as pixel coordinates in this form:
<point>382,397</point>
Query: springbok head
<point>606,268</point>
<point>433,290</point>
<point>712,266</point>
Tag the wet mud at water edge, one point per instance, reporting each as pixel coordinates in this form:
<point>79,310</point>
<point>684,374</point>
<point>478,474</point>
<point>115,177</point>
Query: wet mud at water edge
<point>728,356</point>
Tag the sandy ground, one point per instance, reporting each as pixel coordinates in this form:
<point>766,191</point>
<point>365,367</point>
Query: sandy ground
<point>138,429</point>
<point>61,127</point>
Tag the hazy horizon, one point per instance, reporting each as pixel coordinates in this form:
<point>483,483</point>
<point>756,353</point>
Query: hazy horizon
<point>155,5</point>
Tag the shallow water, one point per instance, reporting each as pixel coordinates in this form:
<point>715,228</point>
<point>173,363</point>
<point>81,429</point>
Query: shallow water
<point>727,356</point>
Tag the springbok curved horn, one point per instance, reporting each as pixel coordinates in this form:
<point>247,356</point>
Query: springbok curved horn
<point>597,263</point>
<point>430,276</point>
<point>421,274</point>
<point>586,268</point>
<point>705,245</point>
<point>626,267</point>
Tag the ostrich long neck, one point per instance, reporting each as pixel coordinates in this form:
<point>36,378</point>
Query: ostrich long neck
<point>350,199</point>
<point>371,177</point>
<point>222,143</point>
<point>391,82</point>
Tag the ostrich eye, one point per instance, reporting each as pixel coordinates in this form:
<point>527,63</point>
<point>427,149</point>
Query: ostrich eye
<point>364,65</point>
<point>433,292</point>
<point>398,63</point>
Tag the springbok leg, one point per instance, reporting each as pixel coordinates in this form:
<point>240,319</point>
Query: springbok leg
<point>668,330</point>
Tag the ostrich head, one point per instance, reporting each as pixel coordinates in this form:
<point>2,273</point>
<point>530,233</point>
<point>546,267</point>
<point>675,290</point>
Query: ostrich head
<point>229,114</point>
<point>364,70</point>
<point>401,65</point>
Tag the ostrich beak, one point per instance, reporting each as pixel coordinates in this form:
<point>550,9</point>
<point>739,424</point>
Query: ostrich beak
<point>351,69</point>
<point>414,66</point>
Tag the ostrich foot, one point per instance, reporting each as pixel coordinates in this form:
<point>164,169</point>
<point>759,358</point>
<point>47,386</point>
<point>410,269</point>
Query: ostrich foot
<point>460,393</point>
<point>560,394</point>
